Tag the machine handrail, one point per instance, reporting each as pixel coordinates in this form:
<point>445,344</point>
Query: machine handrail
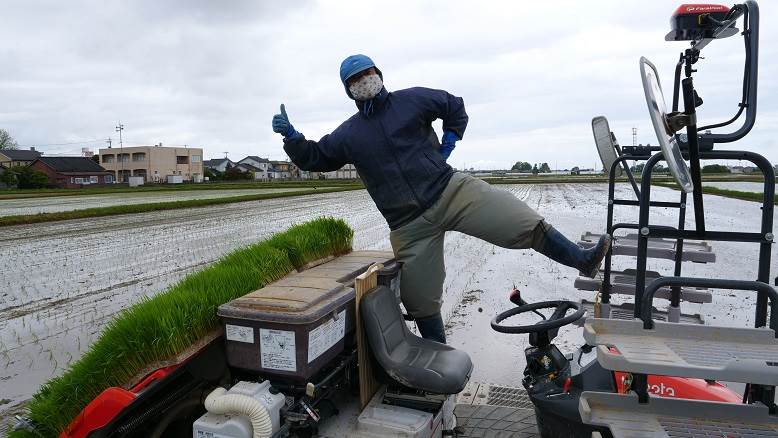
<point>710,283</point>
<point>752,14</point>
<point>766,223</point>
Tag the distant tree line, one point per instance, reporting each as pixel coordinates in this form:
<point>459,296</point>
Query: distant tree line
<point>22,177</point>
<point>230,174</point>
<point>525,167</point>
<point>7,141</point>
<point>707,169</point>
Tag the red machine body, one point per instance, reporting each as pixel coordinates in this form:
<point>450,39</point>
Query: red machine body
<point>691,22</point>
<point>106,406</point>
<point>681,387</point>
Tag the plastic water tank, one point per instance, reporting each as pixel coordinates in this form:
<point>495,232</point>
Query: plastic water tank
<point>236,426</point>
<point>395,421</point>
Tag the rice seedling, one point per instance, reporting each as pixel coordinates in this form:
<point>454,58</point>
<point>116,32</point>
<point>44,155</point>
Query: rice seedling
<point>166,324</point>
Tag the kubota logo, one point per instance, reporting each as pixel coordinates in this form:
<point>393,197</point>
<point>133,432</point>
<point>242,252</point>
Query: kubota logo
<point>661,390</point>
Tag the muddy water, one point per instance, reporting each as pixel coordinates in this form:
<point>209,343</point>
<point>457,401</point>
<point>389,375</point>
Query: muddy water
<point>574,209</point>
<point>63,281</point>
<point>742,186</point>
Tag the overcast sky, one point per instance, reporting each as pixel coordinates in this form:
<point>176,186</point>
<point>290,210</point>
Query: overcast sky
<point>211,74</point>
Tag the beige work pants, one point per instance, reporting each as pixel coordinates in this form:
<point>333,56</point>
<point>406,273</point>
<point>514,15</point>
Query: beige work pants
<point>468,205</point>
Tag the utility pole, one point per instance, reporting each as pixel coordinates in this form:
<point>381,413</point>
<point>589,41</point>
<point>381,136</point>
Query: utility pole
<point>634,136</point>
<point>108,140</point>
<point>119,129</point>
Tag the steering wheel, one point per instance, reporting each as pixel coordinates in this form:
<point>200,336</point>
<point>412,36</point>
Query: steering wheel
<point>556,320</point>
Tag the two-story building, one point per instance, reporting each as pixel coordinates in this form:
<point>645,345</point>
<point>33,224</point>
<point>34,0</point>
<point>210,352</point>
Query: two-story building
<point>279,169</point>
<point>153,163</point>
<point>18,157</point>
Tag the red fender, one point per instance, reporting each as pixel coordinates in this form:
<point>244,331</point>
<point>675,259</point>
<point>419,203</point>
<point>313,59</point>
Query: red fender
<point>106,406</point>
<point>680,387</point>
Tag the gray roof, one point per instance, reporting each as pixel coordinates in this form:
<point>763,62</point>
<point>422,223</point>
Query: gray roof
<point>20,154</point>
<point>216,162</point>
<point>257,159</point>
<point>72,164</point>
<point>249,167</point>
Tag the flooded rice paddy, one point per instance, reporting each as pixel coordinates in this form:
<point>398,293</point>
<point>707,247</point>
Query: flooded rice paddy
<point>63,281</point>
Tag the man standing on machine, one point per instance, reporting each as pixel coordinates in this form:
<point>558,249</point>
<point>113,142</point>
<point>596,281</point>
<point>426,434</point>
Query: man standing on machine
<point>394,148</point>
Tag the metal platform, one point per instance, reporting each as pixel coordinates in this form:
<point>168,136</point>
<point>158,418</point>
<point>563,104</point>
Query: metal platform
<point>626,311</point>
<point>671,417</point>
<point>623,283</point>
<point>494,411</point>
<point>486,421</point>
<point>693,251</point>
<point>747,355</point>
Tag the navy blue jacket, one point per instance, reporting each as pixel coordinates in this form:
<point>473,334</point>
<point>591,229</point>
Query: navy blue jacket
<point>394,149</point>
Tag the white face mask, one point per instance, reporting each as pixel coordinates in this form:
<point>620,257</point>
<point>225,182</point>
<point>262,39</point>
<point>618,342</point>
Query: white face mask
<point>367,87</point>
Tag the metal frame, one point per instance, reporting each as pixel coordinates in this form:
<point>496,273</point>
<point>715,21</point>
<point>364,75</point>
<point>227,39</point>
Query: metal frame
<point>700,148</point>
<point>605,291</point>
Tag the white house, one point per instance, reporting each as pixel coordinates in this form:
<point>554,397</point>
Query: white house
<point>218,164</point>
<point>260,165</point>
<point>346,172</point>
<point>245,167</point>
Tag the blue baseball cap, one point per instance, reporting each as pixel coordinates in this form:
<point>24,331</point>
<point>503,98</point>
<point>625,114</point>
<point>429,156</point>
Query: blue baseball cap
<point>353,65</point>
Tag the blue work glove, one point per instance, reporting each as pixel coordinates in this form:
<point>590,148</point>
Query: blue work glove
<point>282,126</point>
<point>448,143</point>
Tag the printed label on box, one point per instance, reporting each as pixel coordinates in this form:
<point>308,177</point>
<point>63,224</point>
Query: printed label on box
<point>239,333</point>
<point>323,337</point>
<point>206,434</point>
<point>277,350</point>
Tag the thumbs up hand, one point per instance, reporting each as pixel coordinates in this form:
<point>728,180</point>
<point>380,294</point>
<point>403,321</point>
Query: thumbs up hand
<point>281,124</point>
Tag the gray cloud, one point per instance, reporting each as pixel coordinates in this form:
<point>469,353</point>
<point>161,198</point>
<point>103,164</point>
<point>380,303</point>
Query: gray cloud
<point>212,74</point>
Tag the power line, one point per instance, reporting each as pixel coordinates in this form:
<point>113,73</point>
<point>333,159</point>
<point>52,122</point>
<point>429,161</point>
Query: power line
<point>63,144</point>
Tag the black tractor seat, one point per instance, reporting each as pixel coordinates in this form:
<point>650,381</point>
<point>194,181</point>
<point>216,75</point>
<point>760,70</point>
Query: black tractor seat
<point>408,359</point>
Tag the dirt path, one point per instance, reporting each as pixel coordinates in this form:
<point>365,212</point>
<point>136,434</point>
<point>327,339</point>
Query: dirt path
<point>11,207</point>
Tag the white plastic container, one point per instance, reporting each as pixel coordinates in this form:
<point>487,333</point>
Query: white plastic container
<point>136,181</point>
<point>235,426</point>
<point>382,421</point>
<point>175,179</point>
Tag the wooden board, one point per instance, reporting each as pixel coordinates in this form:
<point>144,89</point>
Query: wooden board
<point>368,385</point>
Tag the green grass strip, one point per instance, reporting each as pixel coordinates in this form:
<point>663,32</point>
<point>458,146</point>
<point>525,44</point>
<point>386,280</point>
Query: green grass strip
<point>165,325</point>
<point>156,206</point>
<point>573,179</point>
<point>735,194</point>
<point>154,188</point>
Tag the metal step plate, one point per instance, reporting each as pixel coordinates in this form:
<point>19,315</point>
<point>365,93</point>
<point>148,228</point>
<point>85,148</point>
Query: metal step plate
<point>693,251</point>
<point>626,311</point>
<point>747,355</point>
<point>487,410</point>
<point>672,417</point>
<point>623,283</point>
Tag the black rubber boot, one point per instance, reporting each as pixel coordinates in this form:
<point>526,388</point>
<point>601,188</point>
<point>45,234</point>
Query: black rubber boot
<point>559,248</point>
<point>432,328</point>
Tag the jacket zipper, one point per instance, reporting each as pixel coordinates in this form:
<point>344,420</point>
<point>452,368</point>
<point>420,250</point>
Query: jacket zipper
<point>394,155</point>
